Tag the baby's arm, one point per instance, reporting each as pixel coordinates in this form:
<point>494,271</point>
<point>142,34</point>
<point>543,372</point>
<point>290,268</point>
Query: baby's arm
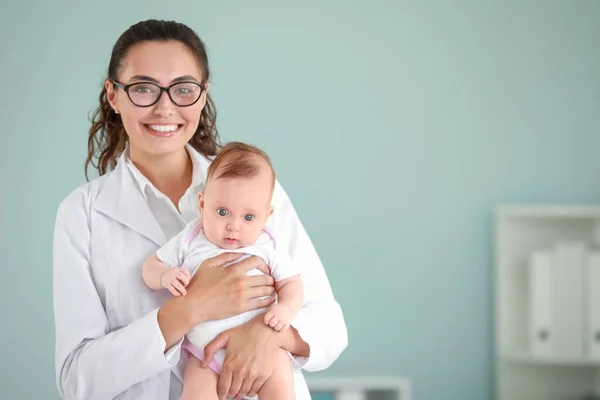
<point>160,269</point>
<point>152,270</point>
<point>158,275</point>
<point>290,295</point>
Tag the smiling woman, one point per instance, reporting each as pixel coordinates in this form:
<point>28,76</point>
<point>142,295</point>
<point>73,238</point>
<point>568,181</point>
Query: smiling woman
<point>152,140</point>
<point>138,75</point>
<point>170,63</point>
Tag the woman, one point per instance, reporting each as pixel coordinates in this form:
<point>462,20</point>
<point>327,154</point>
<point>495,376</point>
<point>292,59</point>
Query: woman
<point>154,136</point>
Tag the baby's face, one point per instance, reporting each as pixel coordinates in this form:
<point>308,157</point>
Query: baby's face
<point>234,210</point>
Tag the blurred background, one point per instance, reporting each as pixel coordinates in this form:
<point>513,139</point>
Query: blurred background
<point>396,128</point>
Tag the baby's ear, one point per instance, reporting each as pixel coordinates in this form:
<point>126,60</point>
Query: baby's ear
<point>270,212</point>
<point>201,202</point>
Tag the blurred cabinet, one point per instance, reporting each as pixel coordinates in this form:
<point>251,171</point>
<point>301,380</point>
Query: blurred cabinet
<point>547,302</point>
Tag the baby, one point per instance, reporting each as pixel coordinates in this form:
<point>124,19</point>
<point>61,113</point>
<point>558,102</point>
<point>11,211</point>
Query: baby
<point>234,207</point>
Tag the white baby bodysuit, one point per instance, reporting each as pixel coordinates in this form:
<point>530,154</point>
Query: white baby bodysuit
<point>191,247</point>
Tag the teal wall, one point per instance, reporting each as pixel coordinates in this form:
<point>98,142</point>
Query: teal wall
<point>396,128</point>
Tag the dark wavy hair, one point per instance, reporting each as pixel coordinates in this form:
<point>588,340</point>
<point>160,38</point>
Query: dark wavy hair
<point>107,138</point>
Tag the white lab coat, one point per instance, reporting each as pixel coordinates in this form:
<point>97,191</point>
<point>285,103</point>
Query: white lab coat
<point>108,343</point>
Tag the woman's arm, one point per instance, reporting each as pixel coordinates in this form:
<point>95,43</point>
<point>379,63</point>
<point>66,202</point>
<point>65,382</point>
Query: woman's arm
<point>319,324</point>
<point>91,361</point>
<point>95,363</point>
<point>291,341</point>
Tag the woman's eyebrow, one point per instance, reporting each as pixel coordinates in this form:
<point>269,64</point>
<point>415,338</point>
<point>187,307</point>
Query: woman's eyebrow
<point>146,78</point>
<point>184,78</point>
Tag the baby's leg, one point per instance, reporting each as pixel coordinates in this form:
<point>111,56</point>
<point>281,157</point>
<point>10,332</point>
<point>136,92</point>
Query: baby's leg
<point>280,385</point>
<point>199,383</point>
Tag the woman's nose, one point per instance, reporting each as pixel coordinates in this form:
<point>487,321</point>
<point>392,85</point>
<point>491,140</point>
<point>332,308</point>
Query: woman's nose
<point>164,107</point>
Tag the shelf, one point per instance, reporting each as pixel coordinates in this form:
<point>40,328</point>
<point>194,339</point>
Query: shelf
<point>519,230</point>
<point>548,211</point>
<point>550,360</point>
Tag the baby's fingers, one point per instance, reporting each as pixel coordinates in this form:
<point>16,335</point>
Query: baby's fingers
<point>179,287</point>
<point>173,291</point>
<point>268,317</point>
<point>181,277</point>
<point>273,322</point>
<point>279,326</point>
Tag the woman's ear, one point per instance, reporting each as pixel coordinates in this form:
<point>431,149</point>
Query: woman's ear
<point>204,96</point>
<point>111,96</point>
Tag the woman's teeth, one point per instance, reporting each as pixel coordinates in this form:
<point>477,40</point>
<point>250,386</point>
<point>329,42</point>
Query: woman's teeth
<point>164,128</point>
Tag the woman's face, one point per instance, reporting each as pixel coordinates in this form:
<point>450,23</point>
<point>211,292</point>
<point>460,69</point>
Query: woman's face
<point>164,127</point>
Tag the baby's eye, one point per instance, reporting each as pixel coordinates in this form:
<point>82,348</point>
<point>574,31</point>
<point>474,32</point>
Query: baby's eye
<point>222,212</point>
<point>249,217</point>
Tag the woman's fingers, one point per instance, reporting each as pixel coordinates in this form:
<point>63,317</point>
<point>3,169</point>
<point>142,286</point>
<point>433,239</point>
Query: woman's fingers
<point>249,264</point>
<point>254,304</point>
<point>222,259</point>
<point>255,387</point>
<point>260,280</point>
<point>218,343</point>
<point>245,388</point>
<point>260,291</point>
<point>236,384</point>
<point>224,383</point>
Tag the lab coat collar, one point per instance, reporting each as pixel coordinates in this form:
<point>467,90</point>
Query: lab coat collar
<point>199,169</point>
<point>120,199</point>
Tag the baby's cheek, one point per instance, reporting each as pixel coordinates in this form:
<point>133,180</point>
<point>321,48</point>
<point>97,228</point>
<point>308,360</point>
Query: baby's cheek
<point>252,235</point>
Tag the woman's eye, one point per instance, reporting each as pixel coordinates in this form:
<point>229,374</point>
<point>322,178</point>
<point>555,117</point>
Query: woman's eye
<point>249,217</point>
<point>143,89</point>
<point>222,212</point>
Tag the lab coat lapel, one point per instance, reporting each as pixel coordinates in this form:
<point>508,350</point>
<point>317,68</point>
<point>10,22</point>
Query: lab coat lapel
<point>120,199</point>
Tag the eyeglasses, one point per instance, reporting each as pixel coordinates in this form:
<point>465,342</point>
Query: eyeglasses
<point>146,94</point>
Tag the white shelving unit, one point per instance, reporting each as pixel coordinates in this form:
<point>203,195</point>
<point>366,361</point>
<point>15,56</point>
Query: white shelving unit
<point>361,388</point>
<point>521,375</point>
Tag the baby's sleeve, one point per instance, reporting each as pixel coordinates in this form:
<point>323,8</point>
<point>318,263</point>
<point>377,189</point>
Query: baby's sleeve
<point>281,265</point>
<point>172,253</point>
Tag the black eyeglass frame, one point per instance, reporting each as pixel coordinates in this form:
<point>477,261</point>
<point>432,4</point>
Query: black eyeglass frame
<point>162,89</point>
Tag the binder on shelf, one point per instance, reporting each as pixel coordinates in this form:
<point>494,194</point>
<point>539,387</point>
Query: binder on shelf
<point>569,299</point>
<point>593,337</point>
<point>351,395</point>
<point>540,302</point>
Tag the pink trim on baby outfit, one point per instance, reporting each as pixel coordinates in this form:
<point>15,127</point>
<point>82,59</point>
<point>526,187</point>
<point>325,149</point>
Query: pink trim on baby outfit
<point>271,235</point>
<point>194,233</point>
<point>199,354</point>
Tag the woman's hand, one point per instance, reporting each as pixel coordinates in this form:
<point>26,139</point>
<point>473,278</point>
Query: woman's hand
<point>219,291</point>
<point>251,352</point>
<point>216,292</point>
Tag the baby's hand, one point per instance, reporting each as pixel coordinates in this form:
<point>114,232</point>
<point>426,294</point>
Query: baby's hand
<point>175,280</point>
<point>278,317</point>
